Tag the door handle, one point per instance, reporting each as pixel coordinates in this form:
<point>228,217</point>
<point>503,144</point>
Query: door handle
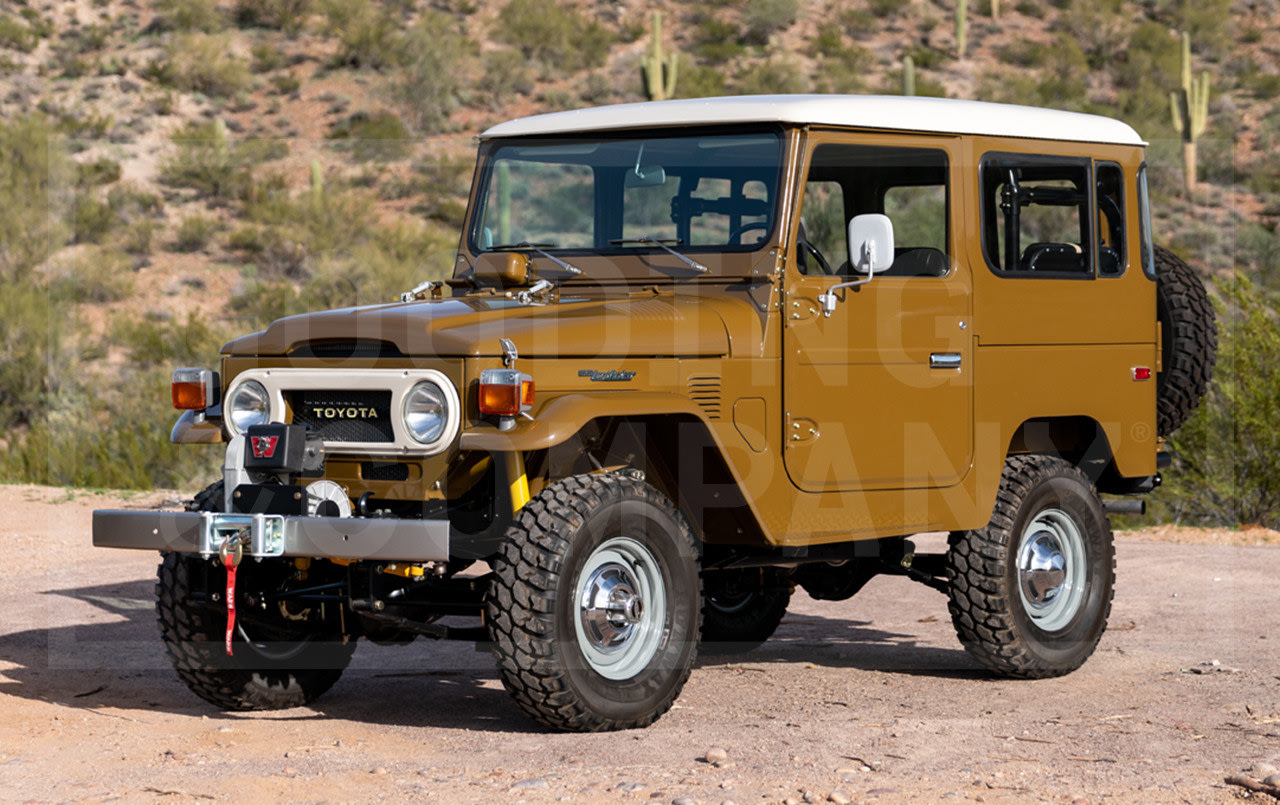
<point>944,360</point>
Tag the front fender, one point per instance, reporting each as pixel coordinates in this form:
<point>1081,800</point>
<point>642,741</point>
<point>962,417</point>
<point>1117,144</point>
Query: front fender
<point>190,430</point>
<point>565,416</point>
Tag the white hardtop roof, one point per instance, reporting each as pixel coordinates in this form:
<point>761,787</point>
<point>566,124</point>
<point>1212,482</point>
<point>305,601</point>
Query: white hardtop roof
<point>889,113</point>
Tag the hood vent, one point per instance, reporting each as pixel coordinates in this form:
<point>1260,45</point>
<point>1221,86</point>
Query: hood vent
<point>705,391</point>
<point>342,350</point>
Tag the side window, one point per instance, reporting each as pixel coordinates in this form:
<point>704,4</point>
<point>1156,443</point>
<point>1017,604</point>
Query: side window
<point>1112,256</point>
<point>1144,224</point>
<point>909,185</point>
<point>1036,215</point>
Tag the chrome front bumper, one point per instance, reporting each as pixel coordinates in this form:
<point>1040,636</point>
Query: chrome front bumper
<point>275,535</point>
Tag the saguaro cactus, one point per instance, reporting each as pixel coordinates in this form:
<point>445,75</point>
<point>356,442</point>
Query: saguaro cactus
<point>908,76</point>
<point>658,70</point>
<point>995,9</point>
<point>317,185</point>
<point>1189,107</point>
<point>962,26</point>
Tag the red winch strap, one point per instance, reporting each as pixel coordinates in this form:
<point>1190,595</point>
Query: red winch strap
<point>231,605</point>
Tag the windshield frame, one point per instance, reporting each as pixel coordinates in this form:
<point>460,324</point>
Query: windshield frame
<point>722,259</point>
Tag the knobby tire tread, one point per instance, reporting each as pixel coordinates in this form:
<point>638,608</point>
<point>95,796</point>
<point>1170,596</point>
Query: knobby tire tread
<point>980,602</point>
<point>521,600</point>
<point>1190,334</point>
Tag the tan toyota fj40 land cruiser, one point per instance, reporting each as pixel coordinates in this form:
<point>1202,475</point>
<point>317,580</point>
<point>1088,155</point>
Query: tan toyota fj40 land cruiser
<point>692,355</point>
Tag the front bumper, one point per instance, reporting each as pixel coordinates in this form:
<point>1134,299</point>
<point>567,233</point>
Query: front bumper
<point>274,535</point>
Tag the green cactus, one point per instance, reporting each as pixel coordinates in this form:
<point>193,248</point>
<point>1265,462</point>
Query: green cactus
<point>658,70</point>
<point>504,202</point>
<point>962,26</point>
<point>1189,108</point>
<point>995,9</point>
<point>908,76</point>
<point>317,185</point>
<point>221,147</point>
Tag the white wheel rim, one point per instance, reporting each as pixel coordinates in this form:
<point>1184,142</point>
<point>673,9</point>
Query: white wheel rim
<point>1052,568</point>
<point>621,603</point>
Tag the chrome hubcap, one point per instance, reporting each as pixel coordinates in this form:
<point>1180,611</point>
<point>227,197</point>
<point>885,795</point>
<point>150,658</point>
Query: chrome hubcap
<point>622,606</point>
<point>1052,564</point>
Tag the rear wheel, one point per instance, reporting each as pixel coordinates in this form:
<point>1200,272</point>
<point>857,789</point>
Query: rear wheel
<point>594,608</point>
<point>1031,592</point>
<point>743,609</point>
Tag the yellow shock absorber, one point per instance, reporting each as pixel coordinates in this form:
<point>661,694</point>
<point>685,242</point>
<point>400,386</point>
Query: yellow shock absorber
<point>518,480</point>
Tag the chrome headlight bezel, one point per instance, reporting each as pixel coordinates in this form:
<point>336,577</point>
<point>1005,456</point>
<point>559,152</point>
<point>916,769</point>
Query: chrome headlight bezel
<point>238,401</point>
<point>428,392</point>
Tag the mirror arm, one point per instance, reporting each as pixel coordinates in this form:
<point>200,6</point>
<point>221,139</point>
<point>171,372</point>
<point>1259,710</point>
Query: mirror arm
<point>829,299</point>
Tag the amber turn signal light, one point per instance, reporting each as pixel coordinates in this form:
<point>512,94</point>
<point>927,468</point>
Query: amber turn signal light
<point>505,392</point>
<point>194,389</point>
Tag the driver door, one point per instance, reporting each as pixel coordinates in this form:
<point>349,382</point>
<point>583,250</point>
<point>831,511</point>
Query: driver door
<point>878,395</point>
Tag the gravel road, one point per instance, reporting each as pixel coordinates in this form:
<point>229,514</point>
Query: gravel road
<point>869,700</point>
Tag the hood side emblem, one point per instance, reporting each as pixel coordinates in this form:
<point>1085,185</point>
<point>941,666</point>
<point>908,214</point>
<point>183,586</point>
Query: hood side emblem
<point>611,376</point>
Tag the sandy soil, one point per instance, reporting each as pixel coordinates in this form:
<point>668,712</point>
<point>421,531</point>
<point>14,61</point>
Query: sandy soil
<point>869,700</point>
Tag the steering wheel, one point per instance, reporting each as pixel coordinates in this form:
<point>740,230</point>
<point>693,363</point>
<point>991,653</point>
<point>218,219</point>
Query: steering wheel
<point>736,235</point>
<point>812,250</point>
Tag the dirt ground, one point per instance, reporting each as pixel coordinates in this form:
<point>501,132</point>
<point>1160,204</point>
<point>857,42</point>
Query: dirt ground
<point>869,700</point>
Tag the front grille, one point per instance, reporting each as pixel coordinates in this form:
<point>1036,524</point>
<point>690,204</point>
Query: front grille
<point>384,471</point>
<point>345,416</point>
<point>705,391</point>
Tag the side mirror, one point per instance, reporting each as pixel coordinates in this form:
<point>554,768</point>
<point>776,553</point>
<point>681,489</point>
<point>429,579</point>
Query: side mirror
<point>870,243</point>
<point>870,251</point>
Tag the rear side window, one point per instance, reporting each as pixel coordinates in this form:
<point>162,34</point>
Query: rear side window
<point>1112,256</point>
<point>1035,215</point>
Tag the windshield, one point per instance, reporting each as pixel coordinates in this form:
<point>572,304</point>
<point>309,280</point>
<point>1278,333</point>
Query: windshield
<point>692,193</point>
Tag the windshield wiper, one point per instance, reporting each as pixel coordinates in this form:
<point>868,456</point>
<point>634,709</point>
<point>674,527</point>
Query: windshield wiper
<point>538,247</point>
<point>694,264</point>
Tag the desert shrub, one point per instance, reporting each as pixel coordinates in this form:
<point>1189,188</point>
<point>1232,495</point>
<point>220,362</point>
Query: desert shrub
<point>427,84</point>
<point>96,276</point>
<point>152,341</point>
<point>367,34</point>
<point>1258,252</point>
<point>17,34</point>
<point>198,62</point>
<point>505,74</point>
<point>207,161</point>
<point>699,80</point>
<point>444,181</point>
<point>846,69</point>
<point>138,236</point>
<point>885,8</point>
<point>32,323</point>
<point>91,219</point>
<point>548,33</point>
<point>1098,28</point>
<point>715,40</point>
<point>763,18</point>
<point>381,136</point>
<point>1224,457</point>
<point>99,172</point>
<point>267,56</point>
<point>777,76</point>
<point>1145,72</point>
<point>190,15</point>
<point>194,233</point>
<point>286,83</point>
<point>33,166</point>
<point>285,15</point>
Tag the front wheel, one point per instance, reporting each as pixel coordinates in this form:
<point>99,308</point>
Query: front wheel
<point>1031,592</point>
<point>594,609</point>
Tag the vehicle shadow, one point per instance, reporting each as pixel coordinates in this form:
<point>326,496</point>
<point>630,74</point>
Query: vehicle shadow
<point>112,659</point>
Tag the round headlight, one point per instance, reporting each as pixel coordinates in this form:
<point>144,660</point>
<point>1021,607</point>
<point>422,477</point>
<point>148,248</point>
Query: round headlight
<point>426,412</point>
<point>246,406</point>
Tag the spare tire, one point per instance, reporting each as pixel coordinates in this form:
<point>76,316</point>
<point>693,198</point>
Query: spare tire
<point>1189,341</point>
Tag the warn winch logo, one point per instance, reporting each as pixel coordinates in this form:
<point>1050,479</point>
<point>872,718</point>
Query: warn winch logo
<point>264,446</point>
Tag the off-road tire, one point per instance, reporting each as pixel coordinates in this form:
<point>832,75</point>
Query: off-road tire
<point>536,621</point>
<point>741,621</point>
<point>194,637</point>
<point>995,621</point>
<point>1189,346</point>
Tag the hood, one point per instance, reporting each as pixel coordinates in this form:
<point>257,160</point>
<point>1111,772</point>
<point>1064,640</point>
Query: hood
<point>472,326</point>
